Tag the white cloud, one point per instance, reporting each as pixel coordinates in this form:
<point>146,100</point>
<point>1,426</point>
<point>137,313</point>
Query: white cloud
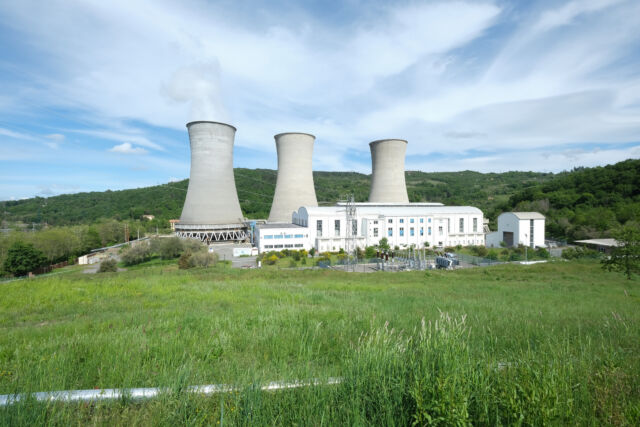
<point>127,148</point>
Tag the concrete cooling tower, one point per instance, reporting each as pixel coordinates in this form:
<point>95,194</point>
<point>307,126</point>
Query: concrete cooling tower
<point>211,209</point>
<point>294,186</point>
<point>387,177</point>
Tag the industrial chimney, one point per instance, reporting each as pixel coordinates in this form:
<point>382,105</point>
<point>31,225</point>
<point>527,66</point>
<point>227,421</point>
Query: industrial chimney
<point>387,177</point>
<point>211,209</point>
<point>294,187</point>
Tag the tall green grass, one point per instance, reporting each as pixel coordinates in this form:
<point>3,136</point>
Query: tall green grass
<point>543,344</point>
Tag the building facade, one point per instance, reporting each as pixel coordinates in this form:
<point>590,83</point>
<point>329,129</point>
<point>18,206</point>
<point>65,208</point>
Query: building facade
<point>518,228</point>
<point>402,225</point>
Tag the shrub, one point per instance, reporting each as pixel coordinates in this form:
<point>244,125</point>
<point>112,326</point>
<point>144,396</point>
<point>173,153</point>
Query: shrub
<point>23,258</point>
<point>370,252</point>
<point>203,259</point>
<point>542,253</point>
<point>304,261</point>
<point>193,245</point>
<point>271,259</point>
<point>137,254</point>
<point>108,266</point>
<point>296,255</point>
<point>184,260</point>
<point>170,248</point>
<point>312,252</point>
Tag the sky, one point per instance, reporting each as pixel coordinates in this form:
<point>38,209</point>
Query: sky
<point>95,95</point>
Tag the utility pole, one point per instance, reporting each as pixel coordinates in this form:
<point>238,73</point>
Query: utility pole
<point>126,232</point>
<point>350,241</point>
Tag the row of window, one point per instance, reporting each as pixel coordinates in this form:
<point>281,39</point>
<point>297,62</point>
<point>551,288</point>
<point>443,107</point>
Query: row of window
<point>283,236</point>
<point>297,245</point>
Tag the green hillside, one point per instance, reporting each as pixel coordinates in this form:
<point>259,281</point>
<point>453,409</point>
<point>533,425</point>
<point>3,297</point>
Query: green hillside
<point>586,203</point>
<point>255,190</point>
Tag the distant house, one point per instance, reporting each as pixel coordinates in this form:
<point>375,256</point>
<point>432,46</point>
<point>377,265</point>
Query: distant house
<point>148,217</point>
<point>172,223</point>
<point>518,228</point>
<point>600,245</point>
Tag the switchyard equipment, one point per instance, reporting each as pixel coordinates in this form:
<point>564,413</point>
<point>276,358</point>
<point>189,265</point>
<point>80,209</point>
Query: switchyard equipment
<point>387,171</point>
<point>211,209</point>
<point>294,185</point>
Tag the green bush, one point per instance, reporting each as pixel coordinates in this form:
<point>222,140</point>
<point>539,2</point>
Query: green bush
<point>271,259</point>
<point>137,254</point>
<point>370,252</point>
<point>203,259</point>
<point>184,260</point>
<point>170,248</point>
<point>542,253</point>
<point>108,266</point>
<point>23,258</point>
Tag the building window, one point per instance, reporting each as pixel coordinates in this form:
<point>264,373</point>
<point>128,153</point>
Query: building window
<point>531,233</point>
<point>390,221</point>
<point>440,231</point>
<point>337,227</point>
<point>354,227</point>
<point>429,220</point>
<point>268,246</point>
<point>375,232</point>
<point>422,231</point>
<point>278,236</point>
<point>462,225</point>
<point>268,236</point>
<point>375,222</point>
<point>277,246</point>
<point>319,228</point>
<point>475,225</point>
<point>390,232</point>
<point>288,246</point>
<point>411,232</point>
<point>299,236</point>
<point>401,220</point>
<point>411,220</point>
<point>299,245</point>
<point>288,236</point>
<point>401,231</point>
<point>448,225</point>
<point>421,220</point>
<point>429,231</point>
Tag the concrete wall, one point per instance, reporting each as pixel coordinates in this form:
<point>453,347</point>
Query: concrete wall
<point>387,164</point>
<point>294,186</point>
<point>211,196</point>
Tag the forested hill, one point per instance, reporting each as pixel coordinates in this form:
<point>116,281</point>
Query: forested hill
<point>586,203</point>
<point>255,190</point>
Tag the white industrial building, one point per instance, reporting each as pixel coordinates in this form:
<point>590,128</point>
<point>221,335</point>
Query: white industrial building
<point>403,224</point>
<point>518,228</point>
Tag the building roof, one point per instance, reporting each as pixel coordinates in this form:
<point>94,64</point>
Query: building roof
<point>277,225</point>
<point>600,242</point>
<point>402,209</point>
<point>527,215</point>
<point>386,204</point>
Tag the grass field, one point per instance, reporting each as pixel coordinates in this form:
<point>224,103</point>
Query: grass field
<point>554,343</point>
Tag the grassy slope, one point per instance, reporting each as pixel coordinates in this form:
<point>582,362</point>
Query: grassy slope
<point>160,326</point>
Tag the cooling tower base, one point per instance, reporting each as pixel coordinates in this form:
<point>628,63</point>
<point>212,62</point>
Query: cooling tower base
<point>209,233</point>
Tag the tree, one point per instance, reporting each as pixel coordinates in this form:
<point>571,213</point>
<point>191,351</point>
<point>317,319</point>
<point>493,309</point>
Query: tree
<point>383,244</point>
<point>626,257</point>
<point>23,258</point>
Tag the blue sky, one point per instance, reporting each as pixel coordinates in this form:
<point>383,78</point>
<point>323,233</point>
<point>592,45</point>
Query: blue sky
<point>95,95</point>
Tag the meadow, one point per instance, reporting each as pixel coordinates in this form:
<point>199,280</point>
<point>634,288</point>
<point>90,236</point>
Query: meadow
<point>555,343</point>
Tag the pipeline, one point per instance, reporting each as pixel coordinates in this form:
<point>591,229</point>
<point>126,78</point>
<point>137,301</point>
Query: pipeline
<point>148,393</point>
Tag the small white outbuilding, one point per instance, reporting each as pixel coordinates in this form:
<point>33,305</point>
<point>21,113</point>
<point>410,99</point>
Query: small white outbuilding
<point>518,228</point>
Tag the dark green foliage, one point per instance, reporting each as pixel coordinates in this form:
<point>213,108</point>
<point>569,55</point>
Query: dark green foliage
<point>255,190</point>
<point>23,258</point>
<point>586,202</point>
<point>137,254</point>
<point>370,252</point>
<point>579,253</point>
<point>108,266</point>
<point>626,257</point>
<point>312,252</point>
